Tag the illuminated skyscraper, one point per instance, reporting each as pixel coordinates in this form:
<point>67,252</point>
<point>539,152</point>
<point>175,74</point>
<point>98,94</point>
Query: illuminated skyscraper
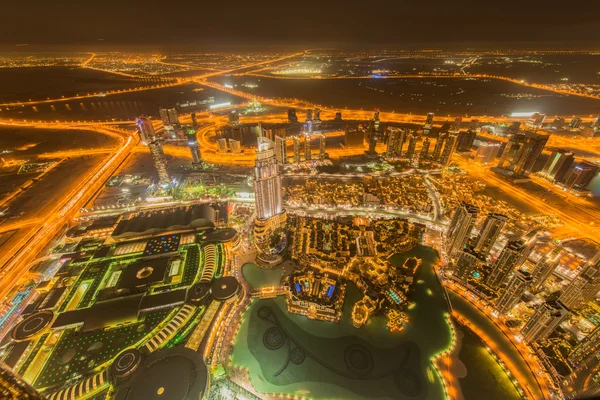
<point>160,162</point>
<point>234,118</point>
<point>169,116</point>
<point>307,148</point>
<point>235,146</point>
<point>514,291</point>
<point>490,230</point>
<point>465,140</point>
<point>280,150</point>
<point>575,123</point>
<point>487,153</point>
<point>536,120</point>
<point>506,262</point>
<point>439,144</point>
<point>296,140</point>
<point>424,150</point>
<point>13,387</point>
<point>292,117</point>
<point>317,117</point>
<point>222,143</point>
<point>456,124</point>
<point>395,142</point>
<point>544,321</point>
<point>581,175</point>
<point>322,147</point>
<point>376,120</point>
<point>412,145</point>
<point>194,147</point>
<point>521,152</point>
<point>544,268</point>
<point>587,348</point>
<point>583,288</point>
<point>448,150</point>
<point>145,129</point>
<point>429,120</point>
<point>269,234</point>
<point>558,165</point>
<point>469,263</point>
<point>194,120</point>
<point>460,228</point>
<point>309,115</point>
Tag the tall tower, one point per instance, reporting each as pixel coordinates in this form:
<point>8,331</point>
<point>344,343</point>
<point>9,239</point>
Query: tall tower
<point>280,150</point>
<point>587,348</point>
<point>194,147</point>
<point>460,228</point>
<point>544,321</point>
<point>194,120</point>
<point>424,150</point>
<point>412,145</point>
<point>437,150</point>
<point>492,226</point>
<point>309,115</point>
<point>534,145</point>
<point>13,387</point>
<point>145,129</point>
<point>317,117</point>
<point>448,150</point>
<point>395,142</point>
<point>544,268</point>
<point>269,235</point>
<point>468,263</point>
<point>429,120</point>
<point>583,288</point>
<point>506,262</point>
<point>307,148</point>
<point>322,146</point>
<point>296,149</point>
<point>558,165</point>
<point>514,290</point>
<point>160,162</point>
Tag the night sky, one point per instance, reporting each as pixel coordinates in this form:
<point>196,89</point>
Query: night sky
<point>328,23</point>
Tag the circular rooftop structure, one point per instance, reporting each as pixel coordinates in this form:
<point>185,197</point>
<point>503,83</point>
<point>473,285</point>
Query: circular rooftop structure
<point>169,374</point>
<point>126,364</point>
<point>225,288</point>
<point>198,291</point>
<point>32,325</point>
<point>219,235</point>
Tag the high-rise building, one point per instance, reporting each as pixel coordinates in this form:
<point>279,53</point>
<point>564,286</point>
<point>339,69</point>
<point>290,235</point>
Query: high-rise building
<point>354,138</point>
<point>456,124</point>
<point>412,145</point>
<point>194,120</point>
<point>160,162</point>
<point>322,146</point>
<point>317,117</point>
<point>234,118</point>
<point>448,150</point>
<point>544,268</point>
<point>376,120</point>
<point>424,150</point>
<point>558,165</point>
<point>548,316</point>
<point>506,262</point>
<point>575,123</point>
<point>581,175</point>
<point>474,124</point>
<point>13,387</point>
<point>235,146</point>
<point>280,150</point>
<point>460,228</point>
<point>296,149</point>
<point>536,120</point>
<point>309,115</point>
<point>487,152</point>
<point>489,232</point>
<point>222,143</point>
<point>469,263</point>
<point>269,236</point>
<point>169,116</point>
<point>515,289</point>
<point>307,147</point>
<point>372,139</point>
<point>395,142</point>
<point>194,146</point>
<point>587,348</point>
<point>583,288</point>
<point>521,152</point>
<point>465,140</point>
<point>439,144</point>
<point>429,120</point>
<point>145,129</point>
<point>292,117</point>
<point>338,116</point>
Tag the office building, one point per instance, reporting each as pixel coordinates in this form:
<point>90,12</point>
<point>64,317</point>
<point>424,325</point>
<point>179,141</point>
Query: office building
<point>575,123</point>
<point>583,288</point>
<point>509,259</point>
<point>465,140</point>
<point>558,164</point>
<point>469,264</point>
<point>581,175</point>
<point>515,289</point>
<point>280,150</point>
<point>429,120</point>
<point>292,117</point>
<point>521,153</point>
<point>536,120</point>
<point>317,116</point>
<point>354,138</point>
<point>145,129</point>
<point>589,347</point>
<point>372,139</point>
<point>544,268</point>
<point>307,147</point>
<point>160,162</point>
<point>412,145</point>
<point>13,387</point>
<point>548,316</point>
<point>169,116</point>
<point>424,150</point>
<point>448,150</point>
<point>460,228</point>
<point>487,152</point>
<point>395,142</point>
<point>489,232</point>
<point>439,144</point>
<point>194,147</point>
<point>296,140</point>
